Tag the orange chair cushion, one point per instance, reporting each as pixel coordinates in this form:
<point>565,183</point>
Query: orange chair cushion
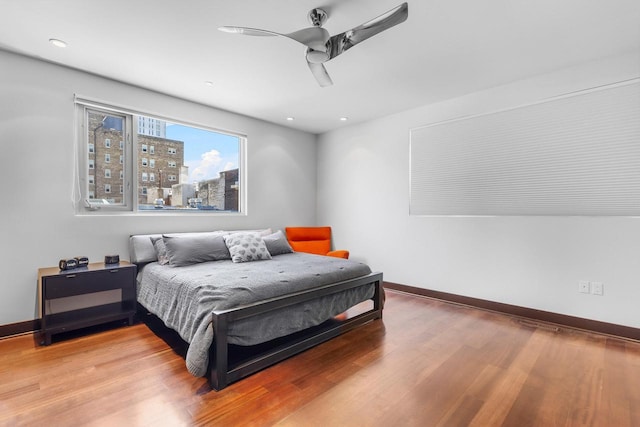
<point>339,254</point>
<point>313,240</point>
<point>308,233</point>
<point>319,247</point>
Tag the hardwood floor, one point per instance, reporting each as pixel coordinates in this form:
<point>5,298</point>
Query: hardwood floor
<point>427,363</point>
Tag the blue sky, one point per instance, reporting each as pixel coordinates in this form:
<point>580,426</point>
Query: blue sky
<point>205,152</point>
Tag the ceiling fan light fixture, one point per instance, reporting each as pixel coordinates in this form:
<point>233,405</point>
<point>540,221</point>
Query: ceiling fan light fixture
<point>317,56</point>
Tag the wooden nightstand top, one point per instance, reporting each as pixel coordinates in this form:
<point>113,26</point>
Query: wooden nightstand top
<point>94,266</point>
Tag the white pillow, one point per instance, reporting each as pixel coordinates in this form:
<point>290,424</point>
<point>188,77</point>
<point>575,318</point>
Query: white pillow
<point>245,247</point>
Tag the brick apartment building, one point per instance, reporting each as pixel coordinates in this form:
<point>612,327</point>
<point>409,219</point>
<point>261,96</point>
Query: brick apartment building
<point>159,160</point>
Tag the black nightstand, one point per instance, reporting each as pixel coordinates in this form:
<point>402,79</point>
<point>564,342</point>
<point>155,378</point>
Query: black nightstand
<point>54,284</point>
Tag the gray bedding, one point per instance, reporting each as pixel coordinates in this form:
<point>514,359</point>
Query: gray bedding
<point>184,297</point>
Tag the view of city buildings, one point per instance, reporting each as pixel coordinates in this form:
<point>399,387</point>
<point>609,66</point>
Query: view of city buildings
<point>162,180</point>
<point>152,127</point>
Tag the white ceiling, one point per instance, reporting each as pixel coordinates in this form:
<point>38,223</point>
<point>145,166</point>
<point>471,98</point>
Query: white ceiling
<point>446,48</point>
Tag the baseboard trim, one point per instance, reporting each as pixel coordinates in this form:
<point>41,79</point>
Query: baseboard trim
<point>19,328</point>
<point>527,313</point>
<point>513,310</point>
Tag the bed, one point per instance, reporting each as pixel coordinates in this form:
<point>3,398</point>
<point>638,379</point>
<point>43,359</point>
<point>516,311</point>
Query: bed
<point>244,300</point>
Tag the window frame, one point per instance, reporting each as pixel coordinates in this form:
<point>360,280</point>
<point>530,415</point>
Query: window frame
<point>86,166</point>
<point>132,188</point>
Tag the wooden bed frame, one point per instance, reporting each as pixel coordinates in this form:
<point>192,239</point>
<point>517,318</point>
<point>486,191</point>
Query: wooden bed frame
<point>228,364</point>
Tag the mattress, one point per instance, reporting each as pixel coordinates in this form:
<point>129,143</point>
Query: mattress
<point>184,297</point>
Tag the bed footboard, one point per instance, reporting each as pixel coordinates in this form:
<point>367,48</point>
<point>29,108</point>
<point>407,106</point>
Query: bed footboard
<point>223,371</point>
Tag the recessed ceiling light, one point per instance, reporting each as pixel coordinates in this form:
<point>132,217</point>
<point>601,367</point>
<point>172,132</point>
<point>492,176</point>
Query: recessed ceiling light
<point>208,83</point>
<point>344,119</point>
<point>290,119</point>
<point>58,43</point>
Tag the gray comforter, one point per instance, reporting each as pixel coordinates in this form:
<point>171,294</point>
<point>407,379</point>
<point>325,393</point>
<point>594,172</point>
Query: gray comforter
<point>184,297</point>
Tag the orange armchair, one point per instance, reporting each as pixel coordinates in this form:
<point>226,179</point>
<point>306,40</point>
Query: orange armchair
<point>313,240</point>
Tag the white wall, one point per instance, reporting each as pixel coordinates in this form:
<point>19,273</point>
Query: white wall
<point>535,262</point>
<point>38,226</point>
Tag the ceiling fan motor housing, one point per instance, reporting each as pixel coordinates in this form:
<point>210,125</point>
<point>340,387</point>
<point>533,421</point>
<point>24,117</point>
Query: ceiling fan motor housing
<point>317,17</point>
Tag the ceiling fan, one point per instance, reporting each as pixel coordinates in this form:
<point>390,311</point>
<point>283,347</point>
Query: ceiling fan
<point>321,47</point>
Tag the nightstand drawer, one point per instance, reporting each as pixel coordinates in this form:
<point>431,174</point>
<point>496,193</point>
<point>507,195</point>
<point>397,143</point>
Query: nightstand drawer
<point>78,283</point>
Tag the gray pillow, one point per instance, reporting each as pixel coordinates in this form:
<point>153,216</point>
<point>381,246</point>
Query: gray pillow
<point>161,250</point>
<point>277,243</point>
<point>245,247</point>
<point>187,249</point>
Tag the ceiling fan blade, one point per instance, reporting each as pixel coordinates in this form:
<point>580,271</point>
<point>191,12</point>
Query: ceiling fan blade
<point>313,37</point>
<point>344,41</point>
<point>249,31</point>
<point>320,73</point>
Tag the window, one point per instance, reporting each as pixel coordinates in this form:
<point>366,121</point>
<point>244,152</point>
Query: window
<point>210,163</point>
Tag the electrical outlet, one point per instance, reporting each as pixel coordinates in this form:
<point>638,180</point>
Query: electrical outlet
<point>584,287</point>
<point>597,288</point>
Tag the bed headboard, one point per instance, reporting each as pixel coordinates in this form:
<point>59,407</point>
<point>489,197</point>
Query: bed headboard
<point>141,249</point>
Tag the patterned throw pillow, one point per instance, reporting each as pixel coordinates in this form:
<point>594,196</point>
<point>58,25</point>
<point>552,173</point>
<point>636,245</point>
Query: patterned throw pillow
<point>161,250</point>
<point>245,247</point>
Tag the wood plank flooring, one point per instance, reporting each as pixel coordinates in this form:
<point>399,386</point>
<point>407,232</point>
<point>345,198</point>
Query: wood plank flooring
<point>427,363</point>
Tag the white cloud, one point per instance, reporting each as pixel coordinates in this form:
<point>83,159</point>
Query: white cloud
<point>207,167</point>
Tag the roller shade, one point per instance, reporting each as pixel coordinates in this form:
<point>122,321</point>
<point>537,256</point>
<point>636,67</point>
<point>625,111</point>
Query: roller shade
<point>572,155</point>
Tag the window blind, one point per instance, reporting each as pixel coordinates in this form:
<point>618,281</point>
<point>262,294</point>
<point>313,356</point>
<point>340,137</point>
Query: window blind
<point>573,155</point>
